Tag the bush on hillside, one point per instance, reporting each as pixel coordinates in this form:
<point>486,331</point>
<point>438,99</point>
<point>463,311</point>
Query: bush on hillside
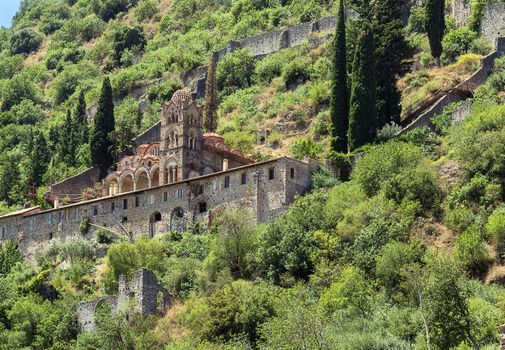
<point>495,229</point>
<point>304,147</point>
<point>456,43</point>
<point>24,41</point>
<point>235,71</point>
<point>296,72</point>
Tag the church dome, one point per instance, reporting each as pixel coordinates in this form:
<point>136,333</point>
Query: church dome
<point>213,135</point>
<point>181,95</point>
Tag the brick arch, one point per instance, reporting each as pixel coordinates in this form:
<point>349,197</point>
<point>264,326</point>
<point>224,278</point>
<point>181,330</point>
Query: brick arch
<point>126,181</point>
<point>142,179</point>
<point>154,175</point>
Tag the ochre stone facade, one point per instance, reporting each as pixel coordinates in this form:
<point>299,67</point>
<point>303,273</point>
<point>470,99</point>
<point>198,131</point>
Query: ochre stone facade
<point>187,177</point>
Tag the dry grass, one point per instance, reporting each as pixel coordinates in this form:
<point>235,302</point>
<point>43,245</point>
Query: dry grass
<point>170,327</point>
<point>419,86</point>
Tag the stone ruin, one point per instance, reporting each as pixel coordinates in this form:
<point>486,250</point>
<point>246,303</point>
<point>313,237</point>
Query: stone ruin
<point>143,291</point>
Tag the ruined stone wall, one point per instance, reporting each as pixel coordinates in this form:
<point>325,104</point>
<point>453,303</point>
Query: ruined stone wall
<point>135,210</point>
<point>142,293</point>
<point>75,185</point>
<point>493,22</point>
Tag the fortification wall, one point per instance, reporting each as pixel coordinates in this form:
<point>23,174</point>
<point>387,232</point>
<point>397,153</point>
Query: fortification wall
<point>136,211</point>
<point>493,21</point>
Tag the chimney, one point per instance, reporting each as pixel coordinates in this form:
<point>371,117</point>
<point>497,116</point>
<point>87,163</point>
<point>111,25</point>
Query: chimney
<point>225,164</point>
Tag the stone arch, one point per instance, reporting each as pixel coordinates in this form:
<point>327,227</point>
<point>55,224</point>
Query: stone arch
<point>155,176</point>
<point>192,139</point>
<point>154,219</point>
<point>142,179</point>
<point>127,182</point>
<point>112,185</point>
<point>172,170</point>
<point>177,220</point>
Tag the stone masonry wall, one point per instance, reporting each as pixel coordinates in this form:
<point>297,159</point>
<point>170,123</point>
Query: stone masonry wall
<point>143,293</point>
<point>75,185</point>
<point>135,211</point>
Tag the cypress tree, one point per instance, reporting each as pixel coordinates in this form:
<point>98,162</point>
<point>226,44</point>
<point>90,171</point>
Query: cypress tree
<point>81,119</point>
<point>101,144</point>
<point>39,157</point>
<point>391,53</point>
<point>68,147</point>
<point>339,99</point>
<point>435,26</point>
<point>209,115</point>
<point>363,113</point>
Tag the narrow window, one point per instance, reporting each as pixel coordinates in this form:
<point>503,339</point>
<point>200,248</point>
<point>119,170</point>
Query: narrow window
<point>95,211</point>
<point>3,232</point>
<point>137,201</point>
<point>50,235</point>
<point>124,219</point>
<point>113,206</point>
<point>49,219</point>
<point>165,196</point>
<point>202,207</point>
<point>179,193</point>
<point>292,173</point>
<point>271,173</point>
<point>125,203</point>
<point>243,180</point>
<point>150,199</point>
<point>200,190</point>
<point>227,182</point>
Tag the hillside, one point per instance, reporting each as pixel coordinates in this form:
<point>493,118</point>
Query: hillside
<point>404,249</point>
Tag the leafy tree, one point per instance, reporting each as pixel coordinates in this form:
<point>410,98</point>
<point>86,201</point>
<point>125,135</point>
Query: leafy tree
<point>339,99</point>
<point>209,114</point>
<point>391,54</point>
<point>286,245</point>
<point>25,41</point>
<point>236,241</point>
<point>235,71</point>
<point>109,9</point>
<point>363,113</point>
<point>471,252</point>
<point>435,26</point>
<point>239,308</point>
<point>495,228</point>
<point>125,38</point>
<point>100,140</point>
<point>350,291</point>
<point>9,256</point>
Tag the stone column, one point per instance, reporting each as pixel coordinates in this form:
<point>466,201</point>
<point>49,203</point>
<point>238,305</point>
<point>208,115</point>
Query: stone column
<point>56,202</point>
<point>225,165</point>
<point>163,173</point>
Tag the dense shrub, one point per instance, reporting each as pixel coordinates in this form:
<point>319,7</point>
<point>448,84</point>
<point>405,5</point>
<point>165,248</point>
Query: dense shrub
<point>296,72</point>
<point>109,9</point>
<point>471,252</point>
<point>145,9</point>
<point>383,163</point>
<point>235,71</point>
<point>456,43</point>
<point>25,41</point>
<point>459,219</point>
<point>303,147</point>
<point>271,67</point>
<point>495,229</point>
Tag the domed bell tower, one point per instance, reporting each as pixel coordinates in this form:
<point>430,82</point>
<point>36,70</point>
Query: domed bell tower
<point>180,148</point>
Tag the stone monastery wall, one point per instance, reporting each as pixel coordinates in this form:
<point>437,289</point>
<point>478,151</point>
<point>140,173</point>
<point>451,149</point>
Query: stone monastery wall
<point>266,188</point>
<point>493,21</point>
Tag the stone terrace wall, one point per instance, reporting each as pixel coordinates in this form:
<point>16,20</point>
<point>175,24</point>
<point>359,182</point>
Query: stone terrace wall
<point>134,211</point>
<point>457,94</point>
